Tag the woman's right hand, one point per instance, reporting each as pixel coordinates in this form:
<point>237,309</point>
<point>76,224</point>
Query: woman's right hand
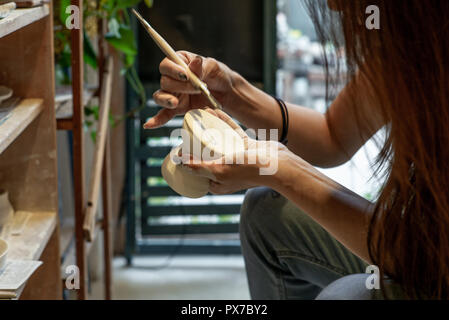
<point>177,95</point>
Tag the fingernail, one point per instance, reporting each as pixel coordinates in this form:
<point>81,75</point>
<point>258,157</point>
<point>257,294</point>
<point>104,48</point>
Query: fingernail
<point>182,76</point>
<point>147,125</point>
<point>199,58</point>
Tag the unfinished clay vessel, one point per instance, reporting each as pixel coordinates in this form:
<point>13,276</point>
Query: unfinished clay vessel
<point>206,136</point>
<point>6,209</point>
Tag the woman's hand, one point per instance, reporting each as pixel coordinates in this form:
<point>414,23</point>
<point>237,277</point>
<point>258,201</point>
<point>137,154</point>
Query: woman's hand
<point>177,95</point>
<point>227,175</point>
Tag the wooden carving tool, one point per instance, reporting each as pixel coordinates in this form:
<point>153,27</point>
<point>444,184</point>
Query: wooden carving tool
<point>170,53</point>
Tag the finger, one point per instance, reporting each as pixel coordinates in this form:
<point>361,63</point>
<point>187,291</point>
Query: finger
<point>186,56</point>
<point>200,168</point>
<point>201,171</point>
<point>218,188</point>
<point>165,99</point>
<point>196,66</point>
<point>161,118</point>
<point>172,85</point>
<point>170,69</point>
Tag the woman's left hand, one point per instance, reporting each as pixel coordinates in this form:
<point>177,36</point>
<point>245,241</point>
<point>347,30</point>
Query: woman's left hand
<point>227,175</point>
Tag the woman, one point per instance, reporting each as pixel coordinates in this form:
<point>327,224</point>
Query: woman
<point>299,229</point>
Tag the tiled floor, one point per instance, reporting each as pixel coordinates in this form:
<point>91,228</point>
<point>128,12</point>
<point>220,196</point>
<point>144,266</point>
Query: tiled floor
<point>180,277</point>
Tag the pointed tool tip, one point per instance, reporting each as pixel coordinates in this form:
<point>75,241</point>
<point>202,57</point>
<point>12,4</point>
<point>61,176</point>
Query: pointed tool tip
<point>136,13</point>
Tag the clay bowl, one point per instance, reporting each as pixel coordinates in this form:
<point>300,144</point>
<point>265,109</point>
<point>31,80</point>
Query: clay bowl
<point>5,93</point>
<point>204,143</point>
<point>3,253</point>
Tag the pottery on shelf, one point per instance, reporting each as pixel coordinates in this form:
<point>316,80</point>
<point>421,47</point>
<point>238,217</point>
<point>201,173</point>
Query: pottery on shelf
<point>3,253</point>
<point>5,93</point>
<point>6,209</point>
<point>6,9</point>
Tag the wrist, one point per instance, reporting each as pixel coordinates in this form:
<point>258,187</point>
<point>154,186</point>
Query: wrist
<point>280,178</point>
<point>291,169</point>
<point>273,164</point>
<point>238,93</point>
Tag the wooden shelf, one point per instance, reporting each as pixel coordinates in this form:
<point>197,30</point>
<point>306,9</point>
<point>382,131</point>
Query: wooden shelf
<point>28,162</point>
<point>67,237</point>
<point>18,119</point>
<point>64,110</point>
<point>30,244</point>
<point>20,18</point>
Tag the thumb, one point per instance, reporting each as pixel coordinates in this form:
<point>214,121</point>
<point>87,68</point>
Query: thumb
<point>196,66</point>
<point>161,118</point>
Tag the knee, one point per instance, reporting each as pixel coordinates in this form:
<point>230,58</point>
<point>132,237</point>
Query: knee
<point>265,215</point>
<point>261,210</point>
<point>256,200</point>
<point>352,287</point>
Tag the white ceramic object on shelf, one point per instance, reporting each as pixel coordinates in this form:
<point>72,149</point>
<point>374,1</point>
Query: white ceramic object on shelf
<point>6,9</point>
<point>204,135</point>
<point>3,253</point>
<point>5,93</point>
<point>6,209</point>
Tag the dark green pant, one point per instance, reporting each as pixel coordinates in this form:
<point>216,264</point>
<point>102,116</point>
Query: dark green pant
<point>289,256</point>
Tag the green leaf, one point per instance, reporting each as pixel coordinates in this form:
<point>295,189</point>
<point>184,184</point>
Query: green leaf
<point>90,57</point>
<point>112,121</point>
<point>93,135</point>
<point>93,110</point>
<point>126,42</point>
<point>125,4</point>
<point>149,3</point>
<point>62,14</point>
<point>129,60</point>
<point>123,71</point>
<point>114,28</point>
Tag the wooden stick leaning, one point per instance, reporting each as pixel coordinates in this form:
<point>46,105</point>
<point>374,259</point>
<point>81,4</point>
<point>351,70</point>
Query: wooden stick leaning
<point>170,53</point>
<point>94,183</point>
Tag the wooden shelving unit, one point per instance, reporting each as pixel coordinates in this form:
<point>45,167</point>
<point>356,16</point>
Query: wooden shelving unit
<point>85,230</point>
<point>21,18</point>
<point>28,167</point>
<point>18,119</point>
<point>30,244</point>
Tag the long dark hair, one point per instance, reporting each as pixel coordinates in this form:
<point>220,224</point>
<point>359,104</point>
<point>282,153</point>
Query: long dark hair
<point>406,63</point>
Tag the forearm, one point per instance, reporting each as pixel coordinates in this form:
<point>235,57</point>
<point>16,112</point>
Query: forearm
<point>308,135</point>
<point>341,212</point>
<point>252,107</point>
